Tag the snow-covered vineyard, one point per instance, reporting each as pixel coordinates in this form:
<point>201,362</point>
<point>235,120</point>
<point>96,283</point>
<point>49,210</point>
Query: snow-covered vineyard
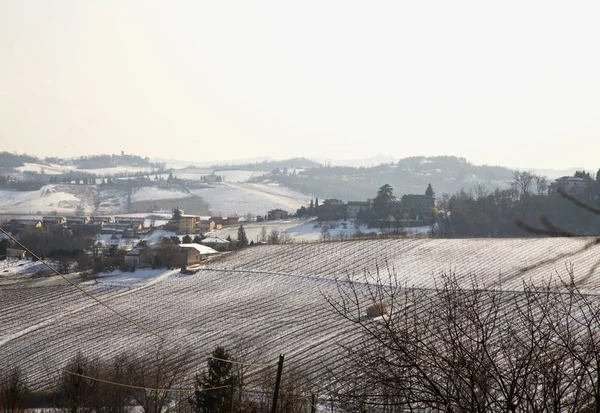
<point>261,301</point>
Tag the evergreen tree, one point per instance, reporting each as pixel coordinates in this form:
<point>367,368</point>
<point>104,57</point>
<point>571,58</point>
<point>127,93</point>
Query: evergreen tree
<point>382,204</point>
<point>598,175</point>
<point>219,373</point>
<point>316,206</point>
<point>4,245</point>
<point>186,239</point>
<point>177,214</point>
<point>429,191</point>
<point>197,239</point>
<point>311,208</point>
<point>242,238</point>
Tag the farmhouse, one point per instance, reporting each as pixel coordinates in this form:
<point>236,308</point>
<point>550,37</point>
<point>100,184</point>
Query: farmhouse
<point>332,210</point>
<point>168,254</point>
<point>277,214</point>
<point>215,242</point>
<point>15,253</point>
<point>417,206</point>
<point>569,184</point>
<point>353,208</point>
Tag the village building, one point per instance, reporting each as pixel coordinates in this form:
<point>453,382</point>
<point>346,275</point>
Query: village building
<point>15,253</point>
<point>186,224</point>
<point>569,184</point>
<point>353,208</point>
<point>17,225</point>
<point>77,220</point>
<point>124,229</point>
<point>417,206</point>
<point>55,221</point>
<point>217,243</point>
<point>172,255</point>
<point>99,220</point>
<point>204,225</point>
<point>332,210</point>
<point>136,221</point>
<point>277,214</point>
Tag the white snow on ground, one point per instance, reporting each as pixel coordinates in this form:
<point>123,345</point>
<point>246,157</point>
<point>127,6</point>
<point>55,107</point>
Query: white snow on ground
<point>241,199</point>
<point>239,176</point>
<point>51,169</point>
<point>14,271</point>
<point>60,198</point>
<point>149,193</point>
<point>54,169</point>
<point>139,277</point>
<point>306,231</point>
<point>117,170</point>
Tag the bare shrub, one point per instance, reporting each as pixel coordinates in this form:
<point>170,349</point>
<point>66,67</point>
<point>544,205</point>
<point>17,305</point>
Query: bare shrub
<point>13,392</point>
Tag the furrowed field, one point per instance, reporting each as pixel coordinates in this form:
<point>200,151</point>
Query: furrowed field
<point>263,301</point>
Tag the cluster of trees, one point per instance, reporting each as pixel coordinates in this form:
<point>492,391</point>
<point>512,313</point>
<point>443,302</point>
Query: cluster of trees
<point>117,385</point>
<point>311,211</point>
<point>460,348</point>
<point>497,214</point>
<point>109,161</point>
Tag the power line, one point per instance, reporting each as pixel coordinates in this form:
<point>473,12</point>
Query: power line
<point>114,383</point>
<point>128,319</point>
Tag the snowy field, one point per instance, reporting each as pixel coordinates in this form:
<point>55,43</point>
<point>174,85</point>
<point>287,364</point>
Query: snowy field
<point>235,176</point>
<point>54,169</point>
<point>257,199</point>
<point>63,199</point>
<point>149,193</point>
<point>302,230</point>
<point>263,300</point>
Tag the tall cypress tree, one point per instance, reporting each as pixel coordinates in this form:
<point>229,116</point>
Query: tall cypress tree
<point>219,373</point>
<point>242,239</point>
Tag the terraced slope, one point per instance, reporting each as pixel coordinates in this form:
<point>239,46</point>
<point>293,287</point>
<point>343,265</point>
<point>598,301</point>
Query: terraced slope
<point>266,300</point>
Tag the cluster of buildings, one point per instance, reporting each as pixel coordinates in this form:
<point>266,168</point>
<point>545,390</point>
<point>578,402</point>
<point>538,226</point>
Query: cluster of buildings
<point>124,226</point>
<point>413,206</point>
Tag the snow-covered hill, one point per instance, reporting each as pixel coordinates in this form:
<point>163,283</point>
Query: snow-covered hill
<point>245,198</point>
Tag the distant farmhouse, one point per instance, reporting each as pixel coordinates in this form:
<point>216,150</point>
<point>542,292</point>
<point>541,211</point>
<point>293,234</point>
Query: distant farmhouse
<point>570,185</point>
<point>277,214</point>
<point>168,254</point>
<point>416,207</point>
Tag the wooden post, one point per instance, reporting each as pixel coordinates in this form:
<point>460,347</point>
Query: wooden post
<point>277,383</point>
<point>231,400</point>
<point>313,404</point>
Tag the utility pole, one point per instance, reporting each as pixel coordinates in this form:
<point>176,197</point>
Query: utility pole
<point>277,382</point>
<point>231,400</point>
<point>313,404</point>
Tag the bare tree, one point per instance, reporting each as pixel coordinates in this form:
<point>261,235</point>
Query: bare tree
<point>462,347</point>
<point>13,392</point>
<point>541,183</point>
<point>522,181</point>
<point>160,368</point>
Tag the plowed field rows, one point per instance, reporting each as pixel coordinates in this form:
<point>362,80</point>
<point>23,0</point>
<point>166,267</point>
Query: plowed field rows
<point>266,300</point>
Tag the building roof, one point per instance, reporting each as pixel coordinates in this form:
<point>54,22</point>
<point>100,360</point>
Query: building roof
<point>214,240</point>
<point>25,221</point>
<point>202,249</point>
<point>571,178</point>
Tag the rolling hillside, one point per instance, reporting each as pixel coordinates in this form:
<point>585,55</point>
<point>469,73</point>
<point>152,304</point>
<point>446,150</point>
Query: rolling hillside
<point>262,300</point>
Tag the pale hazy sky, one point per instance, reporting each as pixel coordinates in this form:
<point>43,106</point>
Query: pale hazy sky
<point>509,83</point>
